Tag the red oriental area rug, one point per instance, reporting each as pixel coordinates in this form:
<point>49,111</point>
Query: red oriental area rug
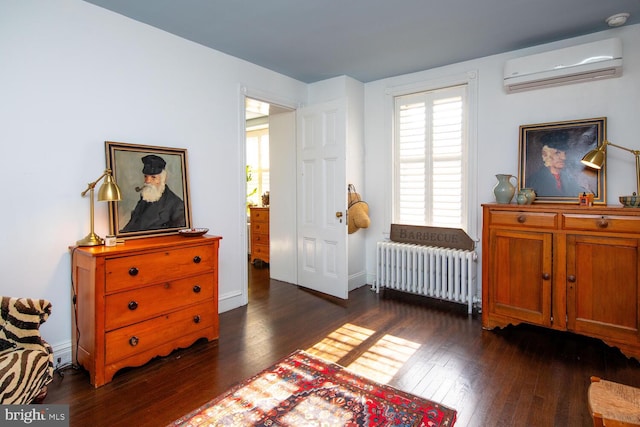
<point>303,390</point>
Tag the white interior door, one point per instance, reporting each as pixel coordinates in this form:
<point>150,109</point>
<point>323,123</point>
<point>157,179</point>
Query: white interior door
<point>322,198</point>
<point>282,177</point>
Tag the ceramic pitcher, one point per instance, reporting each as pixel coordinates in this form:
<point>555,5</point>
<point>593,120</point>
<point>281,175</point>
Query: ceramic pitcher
<point>504,189</point>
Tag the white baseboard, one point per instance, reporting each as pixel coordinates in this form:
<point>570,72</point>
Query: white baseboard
<point>62,354</point>
<point>357,280</point>
<point>231,300</point>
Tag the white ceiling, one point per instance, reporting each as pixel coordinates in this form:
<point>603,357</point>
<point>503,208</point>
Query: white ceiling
<point>312,40</point>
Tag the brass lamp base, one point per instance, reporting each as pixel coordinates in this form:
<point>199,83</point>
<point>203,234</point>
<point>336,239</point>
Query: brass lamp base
<point>92,239</point>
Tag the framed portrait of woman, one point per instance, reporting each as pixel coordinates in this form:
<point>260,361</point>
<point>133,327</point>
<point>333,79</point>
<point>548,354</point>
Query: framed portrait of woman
<point>550,160</point>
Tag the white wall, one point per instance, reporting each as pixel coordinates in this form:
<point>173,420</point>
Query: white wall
<point>499,116</point>
<point>74,75</point>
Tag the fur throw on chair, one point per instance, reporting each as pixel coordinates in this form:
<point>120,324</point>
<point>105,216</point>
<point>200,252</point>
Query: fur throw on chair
<point>26,360</point>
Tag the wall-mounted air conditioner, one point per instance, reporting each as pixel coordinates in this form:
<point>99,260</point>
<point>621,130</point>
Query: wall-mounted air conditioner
<point>590,61</point>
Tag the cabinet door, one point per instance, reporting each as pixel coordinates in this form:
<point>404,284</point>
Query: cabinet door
<point>603,287</point>
<point>520,276</point>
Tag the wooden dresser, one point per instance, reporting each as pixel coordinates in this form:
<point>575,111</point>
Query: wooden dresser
<point>142,299</point>
<point>564,267</point>
<point>259,234</point>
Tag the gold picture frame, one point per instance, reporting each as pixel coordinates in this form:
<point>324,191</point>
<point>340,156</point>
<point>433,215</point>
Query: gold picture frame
<point>134,217</point>
<point>550,155</point>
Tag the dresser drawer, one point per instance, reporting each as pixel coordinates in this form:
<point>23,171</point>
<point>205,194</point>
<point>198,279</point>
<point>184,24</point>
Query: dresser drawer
<point>260,228</point>
<point>145,336</point>
<point>611,223</point>
<point>260,215</point>
<point>260,252</point>
<point>259,239</point>
<point>125,308</point>
<point>161,266</point>
<point>525,219</point>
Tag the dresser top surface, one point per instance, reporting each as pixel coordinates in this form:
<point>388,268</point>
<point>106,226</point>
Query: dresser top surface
<point>566,208</point>
<point>159,242</point>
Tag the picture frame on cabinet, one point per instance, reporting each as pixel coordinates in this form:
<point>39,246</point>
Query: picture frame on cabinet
<point>154,185</point>
<point>549,160</point>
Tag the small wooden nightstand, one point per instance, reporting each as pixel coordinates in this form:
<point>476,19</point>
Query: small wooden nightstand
<point>259,234</point>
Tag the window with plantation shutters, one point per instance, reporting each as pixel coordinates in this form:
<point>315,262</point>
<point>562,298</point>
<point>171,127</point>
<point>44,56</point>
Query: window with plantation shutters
<point>430,144</point>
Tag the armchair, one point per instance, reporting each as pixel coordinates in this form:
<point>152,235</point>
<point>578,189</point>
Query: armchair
<point>26,360</point>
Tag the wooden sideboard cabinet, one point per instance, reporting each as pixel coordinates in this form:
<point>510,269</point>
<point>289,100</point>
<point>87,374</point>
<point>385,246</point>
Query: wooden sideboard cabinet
<point>564,267</point>
<point>259,234</point>
<point>143,299</point>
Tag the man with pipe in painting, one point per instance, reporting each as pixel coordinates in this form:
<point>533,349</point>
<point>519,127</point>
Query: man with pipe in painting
<point>158,207</point>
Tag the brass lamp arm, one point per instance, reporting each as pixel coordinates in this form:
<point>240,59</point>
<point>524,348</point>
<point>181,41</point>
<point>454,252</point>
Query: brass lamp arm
<point>93,184</point>
<point>635,153</point>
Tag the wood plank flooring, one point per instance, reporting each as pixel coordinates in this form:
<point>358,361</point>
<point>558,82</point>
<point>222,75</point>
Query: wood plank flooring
<point>517,376</point>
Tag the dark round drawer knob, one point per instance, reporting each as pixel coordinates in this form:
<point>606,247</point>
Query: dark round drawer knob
<point>197,259</point>
<point>133,341</point>
<point>571,278</point>
<point>546,276</point>
<point>133,271</point>
<point>196,318</point>
<point>603,223</point>
<point>132,305</point>
<point>522,219</point>
<point>197,289</point>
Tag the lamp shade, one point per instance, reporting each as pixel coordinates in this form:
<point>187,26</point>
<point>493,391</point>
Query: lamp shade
<point>109,191</point>
<point>595,158</point>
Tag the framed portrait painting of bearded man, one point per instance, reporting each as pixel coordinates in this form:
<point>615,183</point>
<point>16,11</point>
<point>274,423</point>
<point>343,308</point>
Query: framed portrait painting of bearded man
<point>550,160</point>
<point>154,186</point>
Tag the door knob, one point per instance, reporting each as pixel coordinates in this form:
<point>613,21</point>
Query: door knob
<point>339,215</point>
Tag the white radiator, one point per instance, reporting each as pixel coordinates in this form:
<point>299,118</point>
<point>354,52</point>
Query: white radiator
<point>448,274</point>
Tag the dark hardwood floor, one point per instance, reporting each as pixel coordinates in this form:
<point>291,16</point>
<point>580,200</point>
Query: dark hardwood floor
<point>517,376</point>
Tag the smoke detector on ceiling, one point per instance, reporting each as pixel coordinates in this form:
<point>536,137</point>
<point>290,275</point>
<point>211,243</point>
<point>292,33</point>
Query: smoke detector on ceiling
<point>617,20</point>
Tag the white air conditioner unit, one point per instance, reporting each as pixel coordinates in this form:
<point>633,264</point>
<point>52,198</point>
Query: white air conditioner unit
<point>590,61</point>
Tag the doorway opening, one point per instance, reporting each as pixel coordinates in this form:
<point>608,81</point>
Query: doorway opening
<point>257,172</point>
<point>265,143</point>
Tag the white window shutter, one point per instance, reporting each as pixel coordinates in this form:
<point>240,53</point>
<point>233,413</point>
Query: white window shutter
<point>430,145</point>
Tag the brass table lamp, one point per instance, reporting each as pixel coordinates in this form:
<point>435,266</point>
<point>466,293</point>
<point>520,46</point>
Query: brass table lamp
<point>108,192</point>
<point>595,159</point>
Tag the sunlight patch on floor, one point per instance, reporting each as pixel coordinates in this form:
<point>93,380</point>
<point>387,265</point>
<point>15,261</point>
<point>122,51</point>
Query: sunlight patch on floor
<point>340,342</point>
<point>379,362</point>
<point>384,359</point>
